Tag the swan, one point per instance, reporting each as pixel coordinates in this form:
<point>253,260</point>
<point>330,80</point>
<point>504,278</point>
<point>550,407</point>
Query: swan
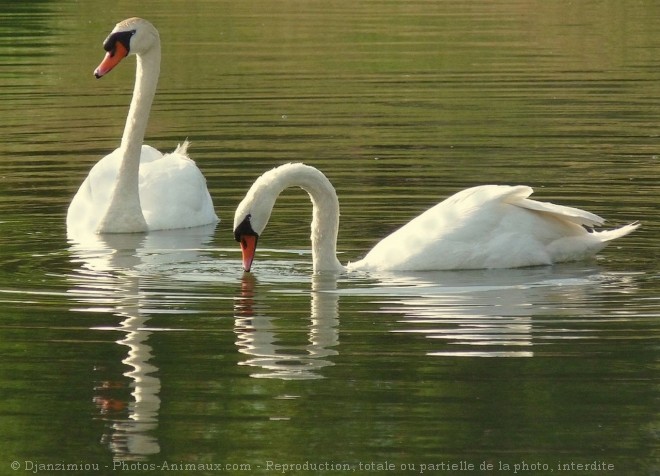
<point>488,226</point>
<point>136,188</point>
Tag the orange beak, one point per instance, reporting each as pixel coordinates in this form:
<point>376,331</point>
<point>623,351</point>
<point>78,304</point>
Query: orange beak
<point>112,59</point>
<point>248,247</point>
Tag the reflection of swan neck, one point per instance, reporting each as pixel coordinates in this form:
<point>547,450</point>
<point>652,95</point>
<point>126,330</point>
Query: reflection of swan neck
<point>258,334</point>
<point>324,314</point>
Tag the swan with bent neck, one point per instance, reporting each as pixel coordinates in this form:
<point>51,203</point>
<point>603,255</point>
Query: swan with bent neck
<point>136,188</point>
<point>488,226</point>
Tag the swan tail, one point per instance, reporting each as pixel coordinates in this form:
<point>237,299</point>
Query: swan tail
<point>609,235</point>
<point>182,148</point>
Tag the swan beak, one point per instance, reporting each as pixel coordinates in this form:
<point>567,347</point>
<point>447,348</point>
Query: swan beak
<point>248,247</point>
<point>112,59</point>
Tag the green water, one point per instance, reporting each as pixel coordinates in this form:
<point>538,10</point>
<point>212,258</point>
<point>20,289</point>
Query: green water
<point>134,354</point>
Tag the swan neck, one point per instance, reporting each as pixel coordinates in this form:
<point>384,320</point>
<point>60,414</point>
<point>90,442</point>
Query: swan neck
<point>325,217</point>
<point>147,71</point>
<point>124,212</point>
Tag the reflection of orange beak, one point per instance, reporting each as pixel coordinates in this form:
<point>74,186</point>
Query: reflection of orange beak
<point>248,247</point>
<point>112,59</point>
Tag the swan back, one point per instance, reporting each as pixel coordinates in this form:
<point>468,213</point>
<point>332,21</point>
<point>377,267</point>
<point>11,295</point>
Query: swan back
<point>490,226</point>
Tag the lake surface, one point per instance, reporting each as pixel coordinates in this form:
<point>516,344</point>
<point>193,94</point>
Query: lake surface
<point>139,353</point>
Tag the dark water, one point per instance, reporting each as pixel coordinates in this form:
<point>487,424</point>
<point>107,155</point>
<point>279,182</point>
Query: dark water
<point>154,351</point>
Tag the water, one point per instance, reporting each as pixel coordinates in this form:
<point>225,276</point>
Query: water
<point>158,350</point>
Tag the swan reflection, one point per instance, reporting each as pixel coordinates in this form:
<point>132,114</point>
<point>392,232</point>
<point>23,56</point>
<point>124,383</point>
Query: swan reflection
<point>111,268</point>
<point>132,437</point>
<point>257,333</point>
<point>486,313</point>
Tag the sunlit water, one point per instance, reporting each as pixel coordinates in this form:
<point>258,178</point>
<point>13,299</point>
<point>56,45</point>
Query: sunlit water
<point>157,349</point>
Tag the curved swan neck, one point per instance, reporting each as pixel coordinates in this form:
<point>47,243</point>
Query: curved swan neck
<point>124,212</point>
<point>325,215</point>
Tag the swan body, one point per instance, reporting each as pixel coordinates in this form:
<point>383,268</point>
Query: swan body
<point>488,226</point>
<point>136,188</point>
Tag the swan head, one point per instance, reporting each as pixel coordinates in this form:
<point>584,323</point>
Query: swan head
<point>131,36</point>
<point>253,213</point>
<point>250,220</point>
<point>247,237</point>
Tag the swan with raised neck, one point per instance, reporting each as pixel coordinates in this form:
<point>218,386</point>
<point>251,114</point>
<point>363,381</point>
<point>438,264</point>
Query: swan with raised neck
<point>136,188</point>
<point>139,37</point>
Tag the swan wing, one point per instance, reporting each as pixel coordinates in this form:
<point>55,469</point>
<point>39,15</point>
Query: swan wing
<point>573,215</point>
<point>489,226</point>
<point>519,196</point>
<point>173,192</point>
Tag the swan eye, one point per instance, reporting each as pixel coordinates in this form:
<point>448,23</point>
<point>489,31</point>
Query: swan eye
<point>244,229</point>
<point>123,37</point>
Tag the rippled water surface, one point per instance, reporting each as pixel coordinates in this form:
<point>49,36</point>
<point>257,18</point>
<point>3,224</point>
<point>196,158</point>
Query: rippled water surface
<point>158,350</point>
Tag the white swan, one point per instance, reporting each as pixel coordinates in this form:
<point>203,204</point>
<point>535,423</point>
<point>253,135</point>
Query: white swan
<point>136,188</point>
<point>490,226</point>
